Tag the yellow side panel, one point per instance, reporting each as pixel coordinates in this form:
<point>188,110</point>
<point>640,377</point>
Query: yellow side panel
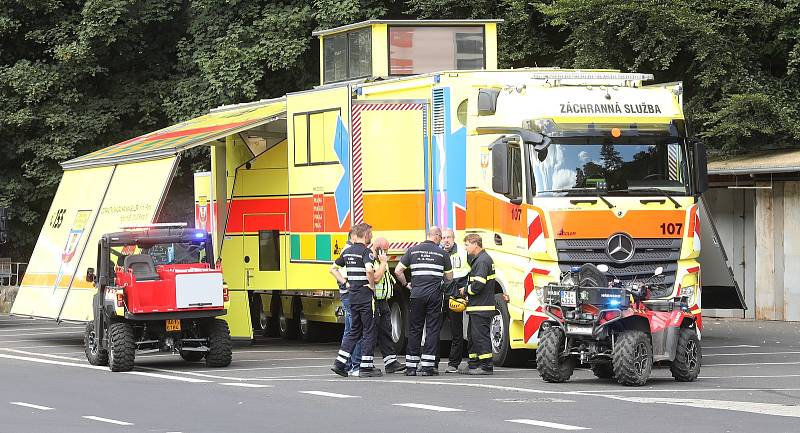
<point>393,150</point>
<point>308,247</point>
<point>61,242</point>
<point>133,198</point>
<point>490,32</point>
<point>300,139</point>
<point>238,316</point>
<point>380,50</point>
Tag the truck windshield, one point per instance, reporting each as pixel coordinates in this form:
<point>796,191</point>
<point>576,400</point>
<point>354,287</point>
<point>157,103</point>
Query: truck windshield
<point>600,166</point>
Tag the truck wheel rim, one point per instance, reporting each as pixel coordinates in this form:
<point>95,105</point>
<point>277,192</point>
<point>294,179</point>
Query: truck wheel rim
<point>263,320</point>
<point>284,325</point>
<point>497,333</point>
<point>640,358</point>
<point>303,325</point>
<point>691,355</point>
<point>396,318</point>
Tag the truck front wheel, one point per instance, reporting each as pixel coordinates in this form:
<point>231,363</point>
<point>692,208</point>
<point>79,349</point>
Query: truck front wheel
<point>122,346</point>
<point>220,349</point>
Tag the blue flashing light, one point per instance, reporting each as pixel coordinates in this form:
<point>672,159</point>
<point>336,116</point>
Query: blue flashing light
<point>199,235</point>
<point>613,302</point>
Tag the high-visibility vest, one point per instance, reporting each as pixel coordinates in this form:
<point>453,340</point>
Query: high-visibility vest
<point>384,289</point>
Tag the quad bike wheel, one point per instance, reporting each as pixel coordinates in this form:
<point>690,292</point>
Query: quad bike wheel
<point>688,356</point>
<point>632,358</point>
<point>219,343</point>
<point>122,346</point>
<point>552,367</point>
<point>91,346</point>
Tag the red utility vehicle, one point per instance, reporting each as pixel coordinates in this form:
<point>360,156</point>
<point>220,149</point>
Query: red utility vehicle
<point>157,291</point>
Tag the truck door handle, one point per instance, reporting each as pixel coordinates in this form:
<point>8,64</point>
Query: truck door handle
<point>498,240</point>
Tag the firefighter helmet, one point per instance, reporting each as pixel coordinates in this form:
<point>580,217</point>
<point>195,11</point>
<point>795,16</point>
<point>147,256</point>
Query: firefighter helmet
<point>457,305</point>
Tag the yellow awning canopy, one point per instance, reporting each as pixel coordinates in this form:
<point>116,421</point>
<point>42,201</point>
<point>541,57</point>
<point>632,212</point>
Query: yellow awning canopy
<point>174,139</point>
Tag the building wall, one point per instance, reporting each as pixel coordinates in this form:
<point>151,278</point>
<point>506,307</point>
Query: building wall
<point>760,231</point>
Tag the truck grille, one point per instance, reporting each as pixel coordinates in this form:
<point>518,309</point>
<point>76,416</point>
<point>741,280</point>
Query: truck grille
<point>649,254</point>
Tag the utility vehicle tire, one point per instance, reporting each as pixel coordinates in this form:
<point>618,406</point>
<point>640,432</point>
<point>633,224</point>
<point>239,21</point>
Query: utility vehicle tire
<point>688,357</point>
<point>122,346</point>
<point>552,367</point>
<point>94,354</point>
<point>502,353</point>
<point>633,358</point>
<point>219,343</point>
<point>309,331</point>
<point>191,355</point>
<point>603,370</point>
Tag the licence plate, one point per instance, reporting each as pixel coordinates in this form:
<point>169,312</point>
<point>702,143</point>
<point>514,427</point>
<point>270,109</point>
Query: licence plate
<point>568,298</point>
<point>579,329</point>
<point>173,325</point>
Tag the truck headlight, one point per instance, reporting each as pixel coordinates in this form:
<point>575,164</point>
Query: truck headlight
<point>687,291</point>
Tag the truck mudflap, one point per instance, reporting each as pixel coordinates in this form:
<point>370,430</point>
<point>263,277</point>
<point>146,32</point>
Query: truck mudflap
<point>719,286</point>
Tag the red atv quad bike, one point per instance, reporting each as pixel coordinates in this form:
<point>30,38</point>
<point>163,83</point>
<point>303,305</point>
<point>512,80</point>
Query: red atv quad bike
<point>621,329</point>
<point>157,291</point>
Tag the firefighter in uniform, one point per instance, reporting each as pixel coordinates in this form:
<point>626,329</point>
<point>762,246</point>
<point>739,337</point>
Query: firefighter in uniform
<point>430,266</point>
<point>359,259</point>
<point>384,289</point>
<point>480,307</point>
<point>458,260</point>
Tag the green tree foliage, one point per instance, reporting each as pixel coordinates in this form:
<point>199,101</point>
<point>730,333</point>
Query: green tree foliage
<point>77,75</point>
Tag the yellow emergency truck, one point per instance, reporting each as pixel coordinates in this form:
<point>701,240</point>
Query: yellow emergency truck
<point>412,125</point>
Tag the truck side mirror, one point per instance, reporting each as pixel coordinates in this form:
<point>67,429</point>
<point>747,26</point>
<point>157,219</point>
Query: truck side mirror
<point>500,181</point>
<point>90,277</point>
<point>700,167</point>
<point>487,101</point>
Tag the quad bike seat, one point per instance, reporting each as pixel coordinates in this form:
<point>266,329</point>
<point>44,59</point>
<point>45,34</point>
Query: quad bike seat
<point>143,267</point>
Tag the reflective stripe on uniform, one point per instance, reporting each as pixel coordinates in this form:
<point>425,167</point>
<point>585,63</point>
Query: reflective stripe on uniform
<point>485,356</point>
<point>434,273</point>
<point>367,357</point>
<point>343,353</point>
<point>478,279</point>
<point>427,364</point>
<point>427,265</point>
<point>469,290</point>
<point>357,277</point>
<point>366,365</point>
<point>342,360</point>
<point>473,356</point>
<point>390,358</point>
<point>481,308</point>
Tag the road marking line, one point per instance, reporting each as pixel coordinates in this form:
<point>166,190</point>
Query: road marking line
<point>247,385</point>
<point>329,394</point>
<point>43,334</point>
<point>429,407</point>
<point>31,405</point>
<point>48,355</point>
<point>739,406</point>
<point>108,420</point>
<point>749,364</point>
<point>547,424</point>
<point>269,368</point>
<point>97,367</point>
<point>750,377</point>
<point>282,359</point>
<point>729,347</point>
<point>750,353</point>
<point>43,329</point>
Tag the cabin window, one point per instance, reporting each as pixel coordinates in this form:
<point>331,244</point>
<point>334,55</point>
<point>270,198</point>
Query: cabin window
<point>347,56</point>
<point>424,49</point>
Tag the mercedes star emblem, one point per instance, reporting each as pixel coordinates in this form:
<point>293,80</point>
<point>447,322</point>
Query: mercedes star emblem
<point>620,248</point>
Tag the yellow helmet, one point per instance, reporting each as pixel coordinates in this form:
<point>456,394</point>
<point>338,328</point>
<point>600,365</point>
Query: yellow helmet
<point>457,305</point>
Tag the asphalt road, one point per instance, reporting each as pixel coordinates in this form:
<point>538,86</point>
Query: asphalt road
<point>750,382</point>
